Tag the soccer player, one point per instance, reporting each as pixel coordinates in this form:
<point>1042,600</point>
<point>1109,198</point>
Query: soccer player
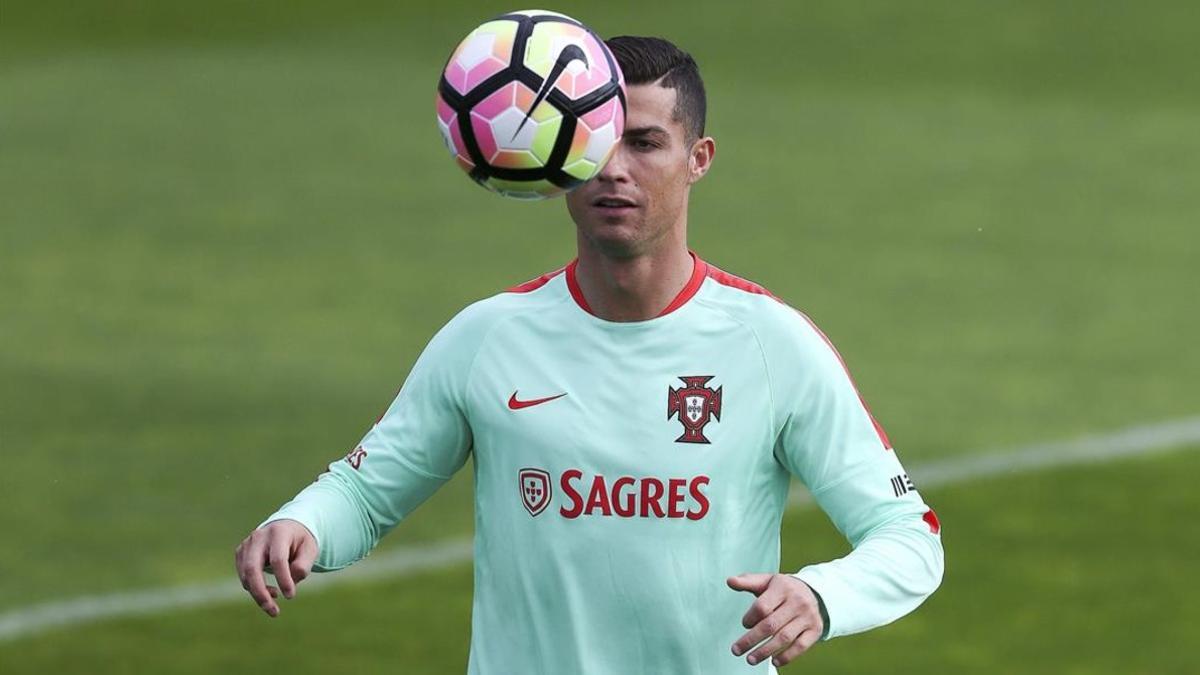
<point>634,420</point>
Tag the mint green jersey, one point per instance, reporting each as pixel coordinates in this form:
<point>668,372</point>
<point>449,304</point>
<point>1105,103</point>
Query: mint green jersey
<point>624,470</point>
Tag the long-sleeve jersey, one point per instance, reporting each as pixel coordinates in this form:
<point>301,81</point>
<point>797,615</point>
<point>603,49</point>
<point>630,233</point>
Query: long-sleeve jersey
<point>624,470</point>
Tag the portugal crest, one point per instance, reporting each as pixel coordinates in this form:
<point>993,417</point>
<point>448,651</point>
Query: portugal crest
<point>695,404</point>
<point>535,490</point>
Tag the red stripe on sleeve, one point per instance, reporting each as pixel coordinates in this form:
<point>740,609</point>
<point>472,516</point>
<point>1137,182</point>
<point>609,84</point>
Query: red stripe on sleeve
<point>534,284</point>
<point>733,281</point>
<point>883,437</point>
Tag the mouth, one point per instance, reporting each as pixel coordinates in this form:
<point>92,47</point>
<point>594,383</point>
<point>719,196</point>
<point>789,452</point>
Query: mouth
<point>613,204</point>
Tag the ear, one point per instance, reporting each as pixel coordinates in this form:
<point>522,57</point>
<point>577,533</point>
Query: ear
<point>701,158</point>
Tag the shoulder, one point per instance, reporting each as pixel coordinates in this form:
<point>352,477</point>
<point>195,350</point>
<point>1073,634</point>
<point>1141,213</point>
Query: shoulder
<point>799,356</point>
<point>778,325</point>
<point>453,349</point>
<point>478,319</point>
<point>795,350</point>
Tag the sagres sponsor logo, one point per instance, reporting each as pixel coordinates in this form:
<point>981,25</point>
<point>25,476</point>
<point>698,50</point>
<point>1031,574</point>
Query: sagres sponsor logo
<point>620,497</point>
<point>629,497</point>
<point>695,404</point>
<point>535,490</point>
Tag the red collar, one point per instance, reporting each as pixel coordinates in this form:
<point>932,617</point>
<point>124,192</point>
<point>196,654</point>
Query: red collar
<point>699,272</point>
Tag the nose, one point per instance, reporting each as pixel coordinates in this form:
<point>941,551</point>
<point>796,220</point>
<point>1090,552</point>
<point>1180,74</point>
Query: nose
<point>616,170</point>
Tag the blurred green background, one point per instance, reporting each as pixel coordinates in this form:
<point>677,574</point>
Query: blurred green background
<point>227,228</point>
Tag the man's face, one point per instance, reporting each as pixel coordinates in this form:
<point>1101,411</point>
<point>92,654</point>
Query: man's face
<point>641,194</point>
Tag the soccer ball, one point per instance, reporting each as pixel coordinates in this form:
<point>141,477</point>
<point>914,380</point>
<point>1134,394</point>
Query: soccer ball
<point>531,104</point>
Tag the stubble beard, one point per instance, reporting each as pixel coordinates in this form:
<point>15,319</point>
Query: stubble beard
<point>643,237</point>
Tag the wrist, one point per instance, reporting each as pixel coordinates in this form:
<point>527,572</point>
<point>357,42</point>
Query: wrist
<point>821,608</point>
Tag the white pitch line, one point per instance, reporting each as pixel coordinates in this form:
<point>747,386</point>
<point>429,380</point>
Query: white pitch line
<point>1093,449</point>
<point>35,619</point>
<point>93,608</point>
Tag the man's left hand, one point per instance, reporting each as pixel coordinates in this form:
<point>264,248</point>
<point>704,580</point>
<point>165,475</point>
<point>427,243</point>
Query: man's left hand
<point>786,611</point>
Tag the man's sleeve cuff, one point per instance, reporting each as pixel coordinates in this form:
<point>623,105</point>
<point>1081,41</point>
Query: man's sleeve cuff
<point>825,587</point>
<point>821,607</point>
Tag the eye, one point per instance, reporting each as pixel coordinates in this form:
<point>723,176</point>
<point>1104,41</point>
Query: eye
<point>642,144</point>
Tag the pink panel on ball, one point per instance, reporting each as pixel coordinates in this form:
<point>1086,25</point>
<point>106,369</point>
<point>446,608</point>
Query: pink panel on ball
<point>499,101</point>
<point>483,136</point>
<point>596,56</point>
<point>599,51</point>
<point>483,71</point>
<point>602,115</point>
<point>444,112</point>
<point>576,86</point>
<point>457,77</point>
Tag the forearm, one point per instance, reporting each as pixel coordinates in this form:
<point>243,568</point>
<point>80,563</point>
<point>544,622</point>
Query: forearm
<point>891,572</point>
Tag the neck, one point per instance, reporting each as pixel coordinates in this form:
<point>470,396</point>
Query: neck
<point>635,288</point>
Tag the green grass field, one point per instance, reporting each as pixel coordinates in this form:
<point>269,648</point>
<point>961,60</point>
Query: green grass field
<point>227,229</point>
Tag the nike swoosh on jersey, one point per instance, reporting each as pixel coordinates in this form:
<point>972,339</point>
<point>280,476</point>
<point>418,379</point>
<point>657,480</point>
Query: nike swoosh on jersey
<point>565,57</point>
<point>515,404</point>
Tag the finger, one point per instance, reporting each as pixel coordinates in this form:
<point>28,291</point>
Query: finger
<point>281,568</point>
<point>781,640</point>
<point>237,561</point>
<point>252,576</point>
<point>764,629</point>
<point>242,561</point>
<point>768,601</point>
<point>755,583</point>
<point>305,556</point>
<point>807,639</point>
<point>273,591</point>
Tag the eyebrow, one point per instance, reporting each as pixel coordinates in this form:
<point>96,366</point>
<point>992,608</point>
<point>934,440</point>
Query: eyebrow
<point>646,131</point>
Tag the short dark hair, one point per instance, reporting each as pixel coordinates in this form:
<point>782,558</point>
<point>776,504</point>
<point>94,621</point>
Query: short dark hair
<point>644,60</point>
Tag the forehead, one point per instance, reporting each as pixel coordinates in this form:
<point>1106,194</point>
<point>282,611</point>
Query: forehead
<point>649,105</point>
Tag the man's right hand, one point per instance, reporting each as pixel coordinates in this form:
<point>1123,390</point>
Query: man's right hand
<point>288,549</point>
